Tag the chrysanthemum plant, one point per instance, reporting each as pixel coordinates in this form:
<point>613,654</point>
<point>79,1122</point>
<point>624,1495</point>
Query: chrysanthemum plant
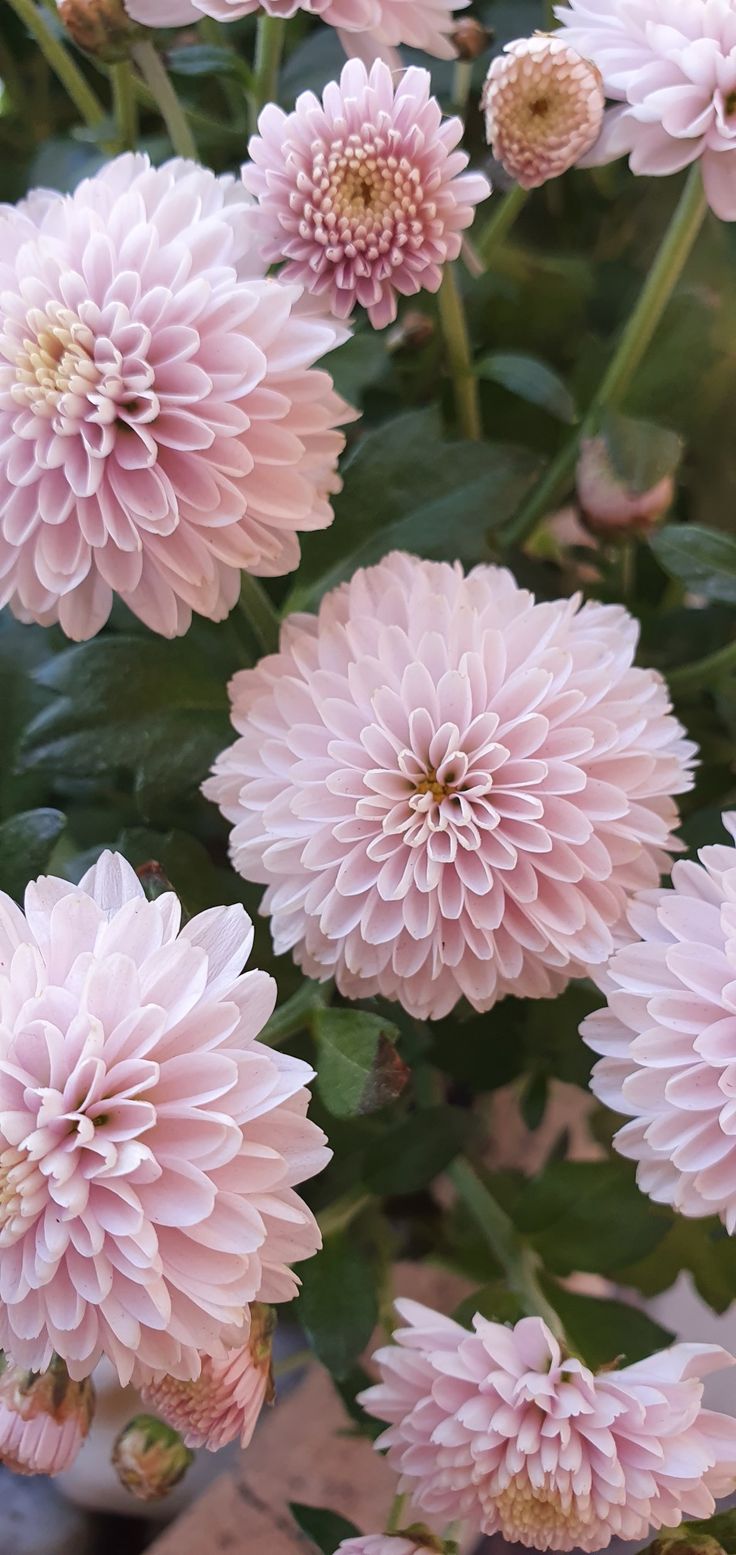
<point>368,568</point>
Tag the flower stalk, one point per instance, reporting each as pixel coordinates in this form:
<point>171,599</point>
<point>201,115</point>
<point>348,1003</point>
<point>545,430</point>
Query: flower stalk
<point>459,354</point>
<point>497,229</point>
<point>519,1262</point>
<point>126,105</point>
<point>270,40</point>
<point>705,672</point>
<point>60,60</point>
<point>259,613</point>
<point>158,81</point>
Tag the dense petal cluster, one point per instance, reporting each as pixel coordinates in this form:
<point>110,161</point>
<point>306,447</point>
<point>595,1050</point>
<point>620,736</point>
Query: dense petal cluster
<point>448,788</point>
<point>225,1401</point>
<point>370,27</point>
<point>364,194</point>
<point>544,108</point>
<point>44,1419</point>
<point>500,1428</point>
<point>672,70</point>
<point>668,1036</point>
<point>149,1145</point>
<point>161,423</point>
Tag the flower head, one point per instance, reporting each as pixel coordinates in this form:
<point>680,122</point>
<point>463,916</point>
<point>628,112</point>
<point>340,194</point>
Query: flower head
<point>368,27</point>
<point>450,789</point>
<point>225,1401</point>
<point>501,1428</point>
<point>389,1544</point>
<point>161,422</point>
<point>364,194</point>
<point>44,1418</point>
<point>149,1145</point>
<point>672,70</point>
<point>668,1036</point>
<point>544,108</point>
<point>100,27</point>
<point>149,1458</point>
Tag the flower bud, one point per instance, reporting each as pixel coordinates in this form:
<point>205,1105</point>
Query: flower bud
<point>544,108</point>
<point>471,38</point>
<point>227,1397</point>
<point>609,506</point>
<point>44,1417</point>
<point>102,28</point>
<point>413,331</point>
<point>150,1458</point>
<point>685,1540</point>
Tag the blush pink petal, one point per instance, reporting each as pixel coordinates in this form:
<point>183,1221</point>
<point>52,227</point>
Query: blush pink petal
<point>448,789</point>
<point>162,425</point>
<point>382,1544</point>
<point>150,1146</point>
<point>368,27</point>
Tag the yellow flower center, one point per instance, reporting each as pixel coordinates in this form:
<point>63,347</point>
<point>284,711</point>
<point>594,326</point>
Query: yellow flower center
<point>56,359</point>
<point>533,1514</point>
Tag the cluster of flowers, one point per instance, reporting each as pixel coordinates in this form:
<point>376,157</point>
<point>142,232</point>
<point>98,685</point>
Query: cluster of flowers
<point>449,790</point>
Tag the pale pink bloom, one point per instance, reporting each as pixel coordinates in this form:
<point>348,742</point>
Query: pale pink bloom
<point>225,1401</point>
<point>43,1419</point>
<point>450,789</point>
<point>544,108</point>
<point>149,1145</point>
<point>161,423</point>
<point>371,28</point>
<point>385,1544</point>
<point>668,1037</point>
<point>672,68</point>
<point>500,1428</point>
<point>364,194</point>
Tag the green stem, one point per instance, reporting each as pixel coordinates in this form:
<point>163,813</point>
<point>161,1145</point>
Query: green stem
<point>462,80</point>
<point>341,1214</point>
<point>517,1260</point>
<point>75,84</point>
<point>260,614</point>
<point>396,1513</point>
<point>270,40</point>
<point>457,342</point>
<point>704,672</point>
<point>157,79</point>
<point>295,1013</point>
<point>498,227</point>
<point>666,271</point>
<point>126,105</point>
<point>214,34</point>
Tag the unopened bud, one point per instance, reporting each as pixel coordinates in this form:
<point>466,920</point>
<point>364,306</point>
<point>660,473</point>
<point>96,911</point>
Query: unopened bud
<point>226,1399</point>
<point>102,28</point>
<point>609,506</point>
<point>44,1418</point>
<point>685,1541</point>
<point>544,108</point>
<point>471,38</point>
<point>413,331</point>
<point>150,1458</point>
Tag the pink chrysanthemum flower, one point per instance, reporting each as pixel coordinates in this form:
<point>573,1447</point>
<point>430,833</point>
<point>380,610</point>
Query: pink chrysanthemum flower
<point>387,1544</point>
<point>225,1402</point>
<point>544,108</point>
<point>161,422</point>
<point>43,1419</point>
<point>668,1037</point>
<point>672,68</point>
<point>500,1428</point>
<point>149,1145</point>
<point>364,194</point>
<point>368,27</point>
<point>449,789</point>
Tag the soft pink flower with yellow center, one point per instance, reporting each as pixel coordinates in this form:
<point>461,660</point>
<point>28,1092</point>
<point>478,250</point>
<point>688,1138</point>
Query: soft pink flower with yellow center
<point>44,1419</point>
<point>544,108</point>
<point>672,69</point>
<point>162,424</point>
<point>448,788</point>
<point>668,1037</point>
<point>226,1400</point>
<point>364,194</point>
<point>499,1427</point>
<point>150,1147</point>
<point>371,28</point>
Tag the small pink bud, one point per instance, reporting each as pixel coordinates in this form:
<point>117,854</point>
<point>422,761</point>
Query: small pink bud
<point>471,38</point>
<point>544,108</point>
<point>150,1458</point>
<point>609,506</point>
<point>226,1399</point>
<point>44,1418</point>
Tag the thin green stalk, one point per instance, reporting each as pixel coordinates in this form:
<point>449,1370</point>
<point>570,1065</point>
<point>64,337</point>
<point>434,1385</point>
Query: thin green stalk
<point>58,57</point>
<point>460,359</point>
<point>260,615</point>
<point>156,77</point>
<point>462,80</point>
<point>517,1260</point>
<point>497,228</point>
<point>666,271</point>
<point>704,672</point>
<point>214,33</point>
<point>270,40</point>
<point>126,105</point>
<point>341,1214</point>
<point>396,1514</point>
<point>295,1013</point>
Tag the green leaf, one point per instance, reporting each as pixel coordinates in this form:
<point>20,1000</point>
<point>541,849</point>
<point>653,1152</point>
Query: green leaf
<point>407,487</point>
<point>359,1070</point>
<point>338,1302</point>
<point>588,1215</point>
<point>530,380</point>
<point>207,59</point>
<point>641,454</point>
<point>409,1157</point>
<point>348,1388</point>
<point>494,1301</point>
<point>26,844</point>
<point>325,1529</point>
<point>704,559</point>
<point>602,1330</point>
<point>701,1246</point>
